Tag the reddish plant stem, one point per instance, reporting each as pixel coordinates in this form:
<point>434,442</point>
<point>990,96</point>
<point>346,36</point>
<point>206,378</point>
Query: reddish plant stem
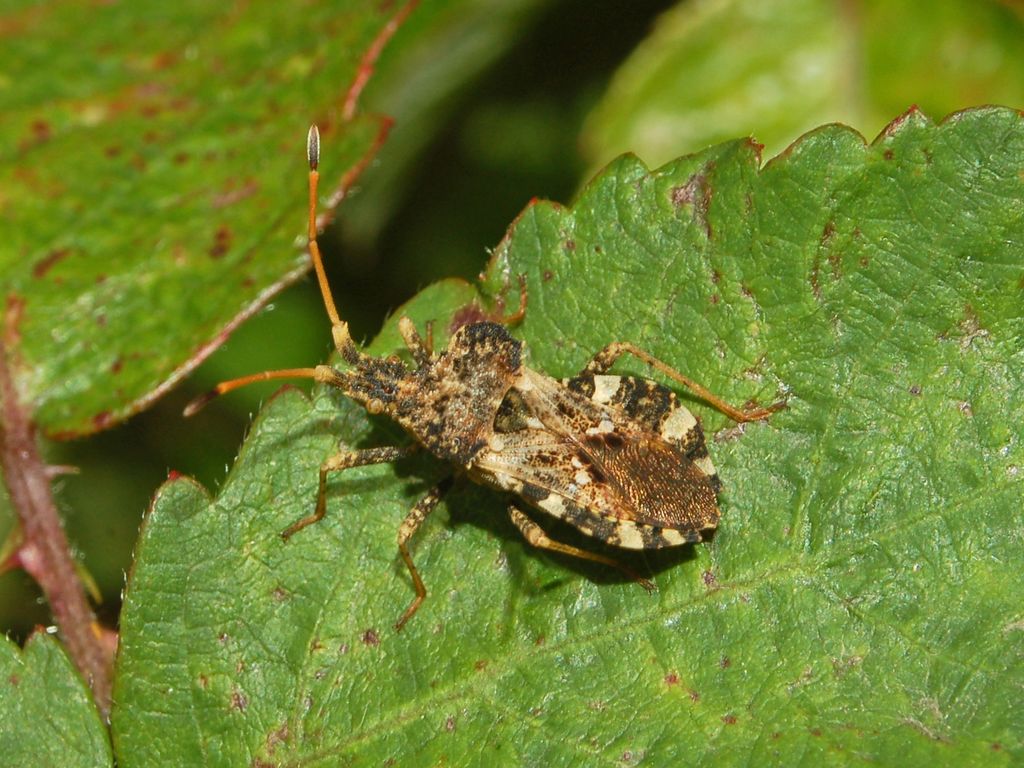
<point>369,60</point>
<point>44,552</point>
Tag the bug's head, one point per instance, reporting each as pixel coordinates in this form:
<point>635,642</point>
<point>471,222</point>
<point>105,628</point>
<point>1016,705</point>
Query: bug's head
<point>486,344</point>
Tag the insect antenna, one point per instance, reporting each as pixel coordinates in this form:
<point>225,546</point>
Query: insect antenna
<point>322,373</point>
<point>339,328</point>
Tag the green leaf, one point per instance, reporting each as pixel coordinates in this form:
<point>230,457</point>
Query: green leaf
<point>47,716</point>
<point>860,602</point>
<point>151,169</point>
<point>776,68</point>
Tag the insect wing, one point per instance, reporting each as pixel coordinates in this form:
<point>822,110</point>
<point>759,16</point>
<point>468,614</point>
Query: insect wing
<point>589,464</point>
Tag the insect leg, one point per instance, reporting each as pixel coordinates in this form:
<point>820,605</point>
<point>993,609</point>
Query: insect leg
<point>429,340</point>
<point>421,351</point>
<point>337,463</point>
<point>536,537</point>
<point>604,360</point>
<point>412,522</point>
<point>517,317</point>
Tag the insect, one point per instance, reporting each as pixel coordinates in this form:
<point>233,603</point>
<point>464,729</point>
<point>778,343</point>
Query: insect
<point>617,457</point>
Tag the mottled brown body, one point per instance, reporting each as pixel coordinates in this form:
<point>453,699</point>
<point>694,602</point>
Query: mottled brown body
<point>617,457</point>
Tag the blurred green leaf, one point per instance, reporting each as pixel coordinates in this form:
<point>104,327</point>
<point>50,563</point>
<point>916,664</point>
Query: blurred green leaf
<point>150,169</point>
<point>861,601</point>
<point>777,68</point>
<point>46,712</point>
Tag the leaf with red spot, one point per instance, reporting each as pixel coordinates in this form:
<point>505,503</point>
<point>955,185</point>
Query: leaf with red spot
<point>153,173</point>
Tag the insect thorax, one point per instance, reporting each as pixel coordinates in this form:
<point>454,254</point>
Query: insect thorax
<point>449,404</point>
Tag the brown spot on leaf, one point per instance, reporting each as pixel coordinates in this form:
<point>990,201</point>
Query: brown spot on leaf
<point>102,420</point>
<point>709,578</point>
<point>570,245</point>
<point>449,724</point>
<point>280,594</point>
<point>234,193</point>
<point>915,389</point>
<point>835,261</point>
<point>694,696</point>
<point>725,662</point>
<point>371,638</point>
<point>697,194</point>
<point>14,680</point>
<point>548,274</point>
<point>239,701</point>
<point>276,737</point>
<point>116,366</point>
<point>48,262</point>
<point>888,154</point>
<point>164,60</point>
<point>841,666</point>
<point>12,319</point>
<point>729,719</point>
<point>671,679</point>
<point>828,233</point>
<point>41,130</point>
<point>480,665</point>
<point>815,277</point>
<point>221,242</point>
<point>971,328</point>
<point>112,151</point>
